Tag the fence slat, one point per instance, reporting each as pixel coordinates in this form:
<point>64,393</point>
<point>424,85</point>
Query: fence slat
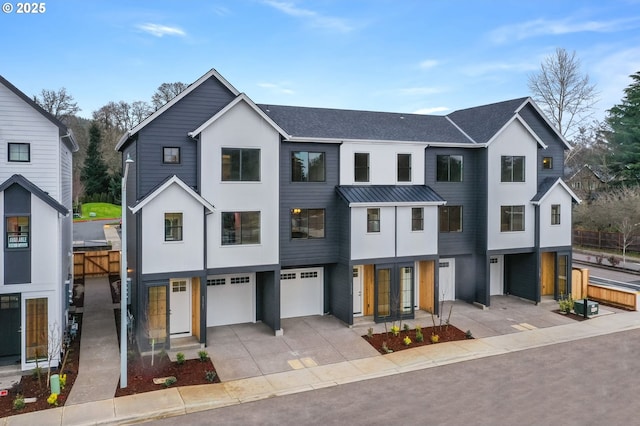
<point>604,240</point>
<point>96,263</point>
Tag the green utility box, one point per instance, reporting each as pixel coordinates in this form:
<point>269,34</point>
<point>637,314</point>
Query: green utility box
<point>592,307</point>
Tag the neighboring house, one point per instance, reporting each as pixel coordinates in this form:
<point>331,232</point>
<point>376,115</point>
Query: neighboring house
<point>242,212</point>
<point>588,181</point>
<point>35,204</point>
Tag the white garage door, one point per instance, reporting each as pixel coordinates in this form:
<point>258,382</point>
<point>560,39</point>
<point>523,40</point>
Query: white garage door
<point>301,292</point>
<point>231,299</point>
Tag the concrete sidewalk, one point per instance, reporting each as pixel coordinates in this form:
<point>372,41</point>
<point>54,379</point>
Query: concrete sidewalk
<point>181,400</point>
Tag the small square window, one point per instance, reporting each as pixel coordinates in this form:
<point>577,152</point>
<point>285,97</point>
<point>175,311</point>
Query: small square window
<point>511,218</point>
<point>171,155</point>
<point>19,152</point>
<point>547,163</point>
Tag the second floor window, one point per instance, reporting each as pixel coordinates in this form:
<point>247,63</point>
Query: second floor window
<point>373,220</point>
<point>512,168</point>
<point>555,214</point>
<point>240,228</point>
<point>361,167</point>
<point>404,167</point>
<point>307,166</point>
<point>417,219</point>
<point>547,163</point>
<point>449,168</point>
<point>19,152</point>
<point>173,226</point>
<point>450,218</point>
<point>307,223</point>
<point>240,164</point>
<point>171,155</point>
<point>511,218</point>
<point>17,232</point>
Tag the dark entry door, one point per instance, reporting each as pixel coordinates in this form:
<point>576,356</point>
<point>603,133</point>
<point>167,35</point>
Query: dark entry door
<point>10,320</point>
<point>394,288</point>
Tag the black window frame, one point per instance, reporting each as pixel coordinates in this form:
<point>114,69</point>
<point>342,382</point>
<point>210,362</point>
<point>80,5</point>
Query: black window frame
<point>301,220</point>
<point>547,163</point>
<point>508,168</point>
<point>448,222</point>
<point>18,144</point>
<point>556,214</point>
<point>297,171</point>
<point>445,172</point>
<point>243,174</point>
<point>173,226</point>
<point>165,155</point>
<point>373,220</point>
<point>510,215</point>
<point>359,169</point>
<point>417,221</point>
<point>19,233</point>
<point>244,228</point>
<point>403,170</point>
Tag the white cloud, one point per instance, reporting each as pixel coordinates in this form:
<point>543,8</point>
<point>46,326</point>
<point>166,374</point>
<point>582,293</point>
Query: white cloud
<point>429,111</point>
<point>158,30</point>
<point>542,27</point>
<point>276,88</point>
<point>428,64</point>
<point>314,18</point>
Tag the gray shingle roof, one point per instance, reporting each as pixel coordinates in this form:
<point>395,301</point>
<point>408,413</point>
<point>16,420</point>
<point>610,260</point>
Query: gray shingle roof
<point>483,122</point>
<point>544,186</point>
<point>389,194</point>
<point>363,125</point>
<point>35,190</point>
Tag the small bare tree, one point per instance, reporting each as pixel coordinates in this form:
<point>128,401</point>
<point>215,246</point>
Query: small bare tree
<point>54,348</point>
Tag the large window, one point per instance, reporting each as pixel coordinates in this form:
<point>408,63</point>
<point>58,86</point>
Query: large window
<point>19,152</point>
<point>511,218</point>
<point>417,219</point>
<point>307,166</point>
<point>173,226</point>
<point>512,168</point>
<point>361,169</point>
<point>37,325</point>
<point>240,164</point>
<point>171,155</point>
<point>404,167</point>
<point>555,214</point>
<point>373,220</point>
<point>157,314</point>
<point>450,218</point>
<point>406,289</point>
<point>240,228</point>
<point>307,223</point>
<point>17,232</point>
<point>449,168</point>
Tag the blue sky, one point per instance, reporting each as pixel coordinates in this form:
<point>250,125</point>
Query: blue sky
<point>427,56</point>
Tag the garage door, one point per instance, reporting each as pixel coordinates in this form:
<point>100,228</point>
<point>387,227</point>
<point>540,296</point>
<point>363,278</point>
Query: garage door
<point>231,299</point>
<point>301,292</point>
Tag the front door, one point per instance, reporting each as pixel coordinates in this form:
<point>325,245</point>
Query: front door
<point>180,314</point>
<point>496,275</point>
<point>10,329</point>
<point>357,291</point>
<point>394,292</point>
<point>447,279</point>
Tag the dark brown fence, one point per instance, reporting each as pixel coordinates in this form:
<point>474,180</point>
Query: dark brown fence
<point>604,240</point>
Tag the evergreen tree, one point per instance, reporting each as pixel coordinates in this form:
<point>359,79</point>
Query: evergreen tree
<point>94,174</point>
<point>624,139</point>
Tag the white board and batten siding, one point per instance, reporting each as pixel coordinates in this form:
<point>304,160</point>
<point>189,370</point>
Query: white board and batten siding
<point>515,140</point>
<point>417,243</point>
<point>20,123</point>
<point>241,127</point>
<point>159,255</point>
<point>556,235</point>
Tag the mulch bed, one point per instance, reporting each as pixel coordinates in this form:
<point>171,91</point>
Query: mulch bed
<point>395,343</point>
<point>29,387</point>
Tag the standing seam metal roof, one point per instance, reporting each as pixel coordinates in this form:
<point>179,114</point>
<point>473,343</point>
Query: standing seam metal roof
<point>389,194</point>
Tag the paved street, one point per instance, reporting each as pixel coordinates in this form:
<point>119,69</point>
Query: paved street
<point>585,382</point>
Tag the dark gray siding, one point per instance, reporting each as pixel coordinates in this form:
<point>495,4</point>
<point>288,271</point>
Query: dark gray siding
<point>467,280</point>
<point>170,129</point>
<point>340,276</point>
<point>269,298</point>
<point>17,261</point>
<point>555,147</point>
<point>482,261</point>
<point>521,275</point>
<point>309,195</point>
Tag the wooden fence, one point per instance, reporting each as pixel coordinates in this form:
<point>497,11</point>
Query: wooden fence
<point>95,263</point>
<point>622,298</point>
<point>604,240</point>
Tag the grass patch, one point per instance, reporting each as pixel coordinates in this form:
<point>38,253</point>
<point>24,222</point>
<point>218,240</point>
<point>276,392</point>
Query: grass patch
<point>95,211</point>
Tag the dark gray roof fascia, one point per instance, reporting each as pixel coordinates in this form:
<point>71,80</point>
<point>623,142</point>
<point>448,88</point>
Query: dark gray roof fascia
<point>35,190</point>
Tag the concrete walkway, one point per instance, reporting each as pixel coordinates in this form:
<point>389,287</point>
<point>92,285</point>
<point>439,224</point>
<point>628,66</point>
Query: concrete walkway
<point>99,371</point>
<point>181,400</point>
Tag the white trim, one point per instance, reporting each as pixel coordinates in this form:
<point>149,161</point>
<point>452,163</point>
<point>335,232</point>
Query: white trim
<point>426,144</point>
<point>524,124</point>
<point>560,182</point>
<point>544,117</point>
<point>399,204</point>
<point>174,180</point>
<point>229,106</point>
<point>212,73</point>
